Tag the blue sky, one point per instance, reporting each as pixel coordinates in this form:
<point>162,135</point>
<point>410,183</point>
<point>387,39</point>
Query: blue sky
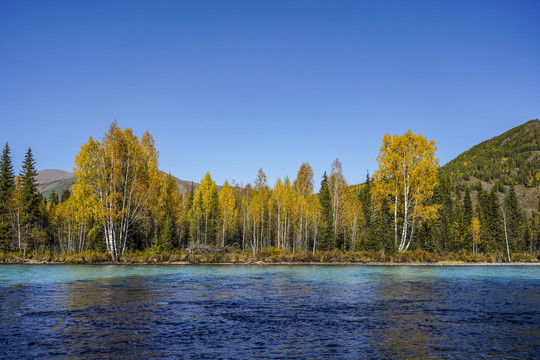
<point>232,86</point>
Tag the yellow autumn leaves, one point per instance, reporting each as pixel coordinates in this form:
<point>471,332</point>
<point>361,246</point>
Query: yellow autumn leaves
<point>121,194</point>
<point>407,174</point>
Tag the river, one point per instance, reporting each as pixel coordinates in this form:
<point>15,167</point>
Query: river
<point>263,311</point>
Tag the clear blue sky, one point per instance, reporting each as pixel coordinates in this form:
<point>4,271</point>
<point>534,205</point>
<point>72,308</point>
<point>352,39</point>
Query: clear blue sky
<point>232,86</point>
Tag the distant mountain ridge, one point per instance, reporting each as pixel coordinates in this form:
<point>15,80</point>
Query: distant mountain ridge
<point>56,180</point>
<point>51,175</point>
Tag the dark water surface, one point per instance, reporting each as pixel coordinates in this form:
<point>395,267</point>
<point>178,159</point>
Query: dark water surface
<point>393,312</point>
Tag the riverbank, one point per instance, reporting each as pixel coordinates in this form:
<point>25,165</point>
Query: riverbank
<point>273,257</point>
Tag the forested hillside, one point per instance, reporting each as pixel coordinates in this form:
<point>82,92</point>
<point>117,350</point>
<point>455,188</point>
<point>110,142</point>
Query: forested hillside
<point>513,158</point>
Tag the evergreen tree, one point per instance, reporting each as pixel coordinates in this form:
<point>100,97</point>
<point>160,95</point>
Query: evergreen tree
<point>468,211</point>
<point>366,199</point>
<point>534,238</point>
<point>491,222</point>
<point>516,222</point>
<point>466,219</point>
<point>53,199</point>
<point>7,186</point>
<point>65,195</point>
<point>327,234</point>
<point>167,236</point>
<point>29,200</point>
<point>384,232</point>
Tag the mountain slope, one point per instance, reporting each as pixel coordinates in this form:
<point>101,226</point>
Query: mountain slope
<point>50,175</point>
<point>50,180</point>
<point>512,158</point>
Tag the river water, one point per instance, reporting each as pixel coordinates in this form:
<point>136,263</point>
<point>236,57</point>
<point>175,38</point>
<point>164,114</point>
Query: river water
<point>278,311</point>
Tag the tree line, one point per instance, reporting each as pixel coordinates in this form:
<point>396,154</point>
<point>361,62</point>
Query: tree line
<point>122,201</point>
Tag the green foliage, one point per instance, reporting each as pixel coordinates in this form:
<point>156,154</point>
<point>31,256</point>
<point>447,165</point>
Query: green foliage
<point>512,158</point>
<point>326,231</point>
<point>7,186</point>
<point>516,222</point>
<point>29,201</point>
<point>65,195</point>
<point>167,237</point>
<point>491,222</point>
<point>284,224</point>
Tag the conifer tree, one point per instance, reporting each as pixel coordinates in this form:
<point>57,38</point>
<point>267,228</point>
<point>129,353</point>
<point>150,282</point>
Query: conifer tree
<point>367,208</point>
<point>166,239</point>
<point>468,211</point>
<point>384,232</point>
<point>326,232</point>
<point>491,221</point>
<point>7,186</point>
<point>516,221</point>
<point>29,199</point>
<point>65,195</point>
<point>53,199</point>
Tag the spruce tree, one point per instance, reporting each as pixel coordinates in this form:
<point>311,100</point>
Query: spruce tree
<point>65,195</point>
<point>327,233</point>
<point>7,176</point>
<point>383,229</point>
<point>466,220</point>
<point>493,223</point>
<point>445,228</point>
<point>53,199</point>
<point>29,199</point>
<point>167,236</point>
<point>468,211</point>
<point>370,229</point>
<point>516,222</point>
<point>7,186</point>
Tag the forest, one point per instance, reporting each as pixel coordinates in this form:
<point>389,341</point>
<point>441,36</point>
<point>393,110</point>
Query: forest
<point>122,204</point>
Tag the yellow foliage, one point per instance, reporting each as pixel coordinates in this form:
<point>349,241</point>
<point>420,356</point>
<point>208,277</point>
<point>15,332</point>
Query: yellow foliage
<point>407,174</point>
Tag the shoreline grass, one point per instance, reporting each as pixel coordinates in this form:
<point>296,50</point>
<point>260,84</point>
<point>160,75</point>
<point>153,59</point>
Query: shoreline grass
<point>273,256</point>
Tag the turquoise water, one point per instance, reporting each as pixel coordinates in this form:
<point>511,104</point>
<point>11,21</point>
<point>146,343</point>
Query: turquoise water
<point>226,311</point>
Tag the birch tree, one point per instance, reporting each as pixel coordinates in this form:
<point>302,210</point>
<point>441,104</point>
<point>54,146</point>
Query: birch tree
<point>475,232</point>
<point>122,171</point>
<point>338,194</point>
<point>303,184</point>
<point>407,174</point>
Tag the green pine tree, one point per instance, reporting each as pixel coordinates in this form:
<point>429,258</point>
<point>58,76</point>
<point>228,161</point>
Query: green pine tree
<point>7,186</point>
<point>327,234</point>
<point>65,195</point>
<point>516,222</point>
<point>53,199</point>
<point>369,230</point>
<point>384,232</point>
<point>167,236</point>
<point>29,201</point>
<point>491,222</point>
<point>468,211</point>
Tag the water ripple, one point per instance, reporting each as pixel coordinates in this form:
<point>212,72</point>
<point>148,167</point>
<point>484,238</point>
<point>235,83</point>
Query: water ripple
<point>240,312</point>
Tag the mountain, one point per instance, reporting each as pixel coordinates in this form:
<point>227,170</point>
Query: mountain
<point>54,180</point>
<point>510,158</point>
<point>51,175</point>
<point>58,180</point>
